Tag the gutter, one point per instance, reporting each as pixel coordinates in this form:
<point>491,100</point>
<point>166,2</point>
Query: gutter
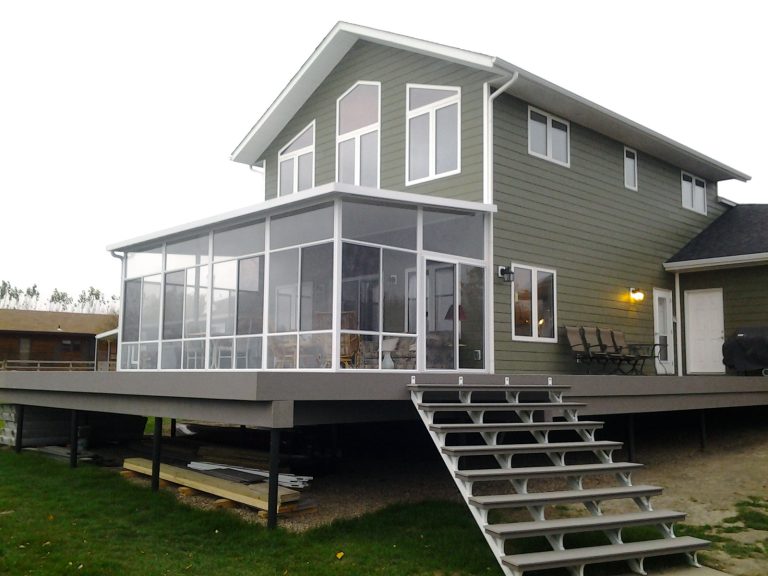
<point>488,195</point>
<point>703,264</point>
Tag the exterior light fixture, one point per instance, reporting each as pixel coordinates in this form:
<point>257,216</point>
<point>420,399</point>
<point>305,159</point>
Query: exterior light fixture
<point>506,273</point>
<point>636,295</point>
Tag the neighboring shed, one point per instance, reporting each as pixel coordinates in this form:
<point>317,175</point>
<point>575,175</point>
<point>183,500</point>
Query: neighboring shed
<point>34,338</point>
<point>722,275</point>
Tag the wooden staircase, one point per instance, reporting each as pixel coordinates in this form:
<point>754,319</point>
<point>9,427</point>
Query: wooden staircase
<point>487,433</point>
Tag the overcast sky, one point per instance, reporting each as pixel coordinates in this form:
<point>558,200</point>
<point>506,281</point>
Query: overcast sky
<point>118,118</point>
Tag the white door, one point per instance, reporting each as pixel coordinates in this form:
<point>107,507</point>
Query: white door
<point>704,331</point>
<point>663,331</point>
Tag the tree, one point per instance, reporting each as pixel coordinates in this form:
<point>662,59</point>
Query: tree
<point>61,299</point>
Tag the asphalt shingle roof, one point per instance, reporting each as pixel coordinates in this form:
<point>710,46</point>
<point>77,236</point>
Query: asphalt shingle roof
<point>741,230</point>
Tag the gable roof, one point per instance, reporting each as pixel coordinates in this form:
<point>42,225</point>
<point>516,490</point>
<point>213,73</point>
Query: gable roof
<point>737,238</point>
<point>528,87</point>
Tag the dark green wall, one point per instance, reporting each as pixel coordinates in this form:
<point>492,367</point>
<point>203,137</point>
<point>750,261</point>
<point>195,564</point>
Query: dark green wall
<point>599,236</point>
<point>393,68</point>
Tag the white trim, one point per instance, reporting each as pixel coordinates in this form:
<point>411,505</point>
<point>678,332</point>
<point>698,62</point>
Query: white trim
<point>737,261</point>
<point>694,181</point>
<point>678,327</point>
<point>664,366</point>
<point>431,110</point>
<point>487,144</point>
<point>688,330</point>
<point>356,135</point>
<point>287,203</point>
<point>626,184</point>
<point>535,304</point>
<point>281,157</point>
<point>550,119</point>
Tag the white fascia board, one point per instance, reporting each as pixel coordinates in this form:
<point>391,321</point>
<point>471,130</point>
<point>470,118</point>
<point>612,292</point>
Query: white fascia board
<point>299,200</point>
<point>107,334</point>
<point>712,263</point>
<point>557,100</point>
<point>317,67</point>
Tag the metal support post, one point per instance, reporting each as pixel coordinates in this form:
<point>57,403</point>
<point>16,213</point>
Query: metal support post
<point>703,429</point>
<point>173,427</point>
<point>19,427</point>
<point>157,438</point>
<point>73,439</point>
<point>274,471</point>
<point>631,437</point>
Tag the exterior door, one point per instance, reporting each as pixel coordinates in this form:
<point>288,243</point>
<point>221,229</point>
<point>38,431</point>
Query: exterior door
<point>663,335</point>
<point>704,331</point>
<point>441,315</point>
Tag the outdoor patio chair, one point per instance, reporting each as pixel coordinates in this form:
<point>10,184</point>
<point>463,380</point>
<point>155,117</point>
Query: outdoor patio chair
<point>626,359</point>
<point>643,352</point>
<point>578,347</point>
<point>598,351</point>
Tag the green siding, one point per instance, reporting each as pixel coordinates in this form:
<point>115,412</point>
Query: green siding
<point>745,298</point>
<point>394,68</point>
<point>599,236</point>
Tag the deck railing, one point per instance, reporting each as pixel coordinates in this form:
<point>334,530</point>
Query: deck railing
<point>53,365</point>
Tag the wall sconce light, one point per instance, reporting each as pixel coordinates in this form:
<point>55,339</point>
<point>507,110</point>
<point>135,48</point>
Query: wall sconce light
<point>506,273</point>
<point>636,295</point>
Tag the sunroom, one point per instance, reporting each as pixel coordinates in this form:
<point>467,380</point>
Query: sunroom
<point>336,278</point>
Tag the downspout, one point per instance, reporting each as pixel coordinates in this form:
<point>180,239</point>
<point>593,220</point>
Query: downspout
<point>678,325</point>
<point>490,276</point>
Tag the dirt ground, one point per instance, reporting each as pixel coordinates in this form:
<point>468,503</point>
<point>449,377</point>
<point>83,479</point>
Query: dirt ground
<point>706,484</point>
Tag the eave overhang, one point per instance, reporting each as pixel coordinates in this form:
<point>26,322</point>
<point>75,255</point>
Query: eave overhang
<point>528,87</point>
<point>704,264</point>
<point>323,193</point>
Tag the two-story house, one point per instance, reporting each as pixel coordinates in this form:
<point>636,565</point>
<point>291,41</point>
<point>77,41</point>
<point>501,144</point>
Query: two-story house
<point>401,177</point>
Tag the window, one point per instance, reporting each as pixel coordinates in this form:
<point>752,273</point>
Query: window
<point>694,193</point>
<point>630,168</point>
<point>432,132</point>
<point>357,135</point>
<point>534,311</point>
<point>296,163</point>
<point>549,137</point>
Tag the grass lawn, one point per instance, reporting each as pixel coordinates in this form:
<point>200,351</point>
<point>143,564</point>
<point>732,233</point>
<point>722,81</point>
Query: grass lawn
<point>90,521</point>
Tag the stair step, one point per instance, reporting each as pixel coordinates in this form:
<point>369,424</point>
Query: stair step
<point>496,406</point>
<point>583,524</point>
<point>516,426</point>
<point>546,471</point>
<point>533,448</point>
<point>487,388</point>
<point>608,553</point>
<point>496,501</point>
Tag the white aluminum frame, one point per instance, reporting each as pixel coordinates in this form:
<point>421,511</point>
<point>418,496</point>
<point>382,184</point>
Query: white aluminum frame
<point>634,166</point>
<point>357,134</point>
<point>431,110</point>
<point>548,156</point>
<point>534,304</point>
<point>282,157</point>
<point>694,179</point>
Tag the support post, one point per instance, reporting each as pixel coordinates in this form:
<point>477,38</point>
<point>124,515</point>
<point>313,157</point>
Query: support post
<point>157,437</point>
<point>274,471</point>
<point>173,427</point>
<point>703,430</point>
<point>19,427</point>
<point>73,439</point>
<point>631,437</point>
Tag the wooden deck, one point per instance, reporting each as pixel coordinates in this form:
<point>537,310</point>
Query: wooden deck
<point>287,399</point>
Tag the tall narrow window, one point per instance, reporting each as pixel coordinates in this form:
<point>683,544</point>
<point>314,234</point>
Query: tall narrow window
<point>694,193</point>
<point>357,135</point>
<point>433,132</point>
<point>296,170</point>
<point>534,311</point>
<point>630,168</point>
<point>549,137</point>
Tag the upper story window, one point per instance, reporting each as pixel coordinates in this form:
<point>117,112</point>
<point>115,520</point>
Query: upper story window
<point>694,193</point>
<point>433,132</point>
<point>549,137</point>
<point>630,168</point>
<point>357,135</point>
<point>296,161</point>
<point>534,310</point>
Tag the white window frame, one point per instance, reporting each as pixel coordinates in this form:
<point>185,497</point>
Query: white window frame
<point>693,178</point>
<point>626,183</point>
<point>548,156</point>
<point>359,133</point>
<point>534,304</point>
<point>282,157</point>
<point>431,109</point>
